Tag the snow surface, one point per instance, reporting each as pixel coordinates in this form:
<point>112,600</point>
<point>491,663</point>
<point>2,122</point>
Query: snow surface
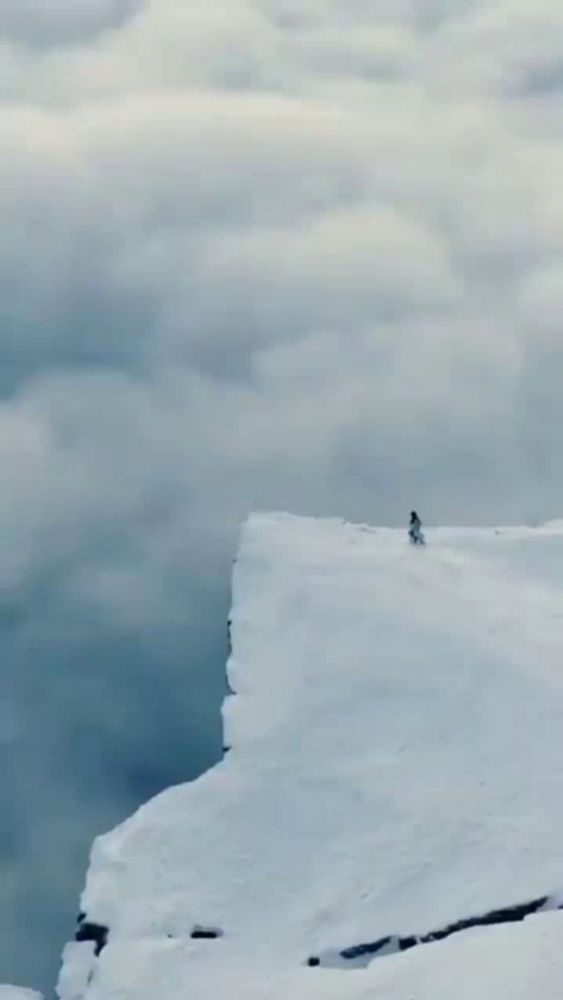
<point>396,766</point>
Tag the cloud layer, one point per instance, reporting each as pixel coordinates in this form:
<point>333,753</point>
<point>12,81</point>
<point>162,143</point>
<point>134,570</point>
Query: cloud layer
<point>263,253</point>
<point>31,22</point>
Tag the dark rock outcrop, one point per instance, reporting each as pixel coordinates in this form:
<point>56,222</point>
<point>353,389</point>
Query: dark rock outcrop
<point>395,943</point>
<point>87,931</point>
<point>206,933</point>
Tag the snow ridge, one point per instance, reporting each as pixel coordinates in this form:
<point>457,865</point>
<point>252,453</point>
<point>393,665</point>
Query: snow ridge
<point>394,771</point>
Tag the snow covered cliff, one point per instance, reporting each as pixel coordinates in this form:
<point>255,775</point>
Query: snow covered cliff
<point>388,821</point>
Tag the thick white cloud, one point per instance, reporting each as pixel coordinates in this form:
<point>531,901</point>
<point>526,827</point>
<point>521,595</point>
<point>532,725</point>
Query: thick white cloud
<point>256,253</point>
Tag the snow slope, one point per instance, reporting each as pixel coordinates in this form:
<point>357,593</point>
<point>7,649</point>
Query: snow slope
<point>396,767</point>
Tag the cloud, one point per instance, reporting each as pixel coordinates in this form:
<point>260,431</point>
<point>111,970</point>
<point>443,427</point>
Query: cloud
<point>62,22</point>
<point>255,254</point>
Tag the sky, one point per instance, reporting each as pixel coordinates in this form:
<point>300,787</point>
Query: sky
<point>257,254</point>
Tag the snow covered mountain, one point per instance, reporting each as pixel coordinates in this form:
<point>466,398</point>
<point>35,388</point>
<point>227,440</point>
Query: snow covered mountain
<point>388,819</point>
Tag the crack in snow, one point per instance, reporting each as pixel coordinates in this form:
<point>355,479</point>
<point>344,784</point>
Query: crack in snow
<point>362,954</point>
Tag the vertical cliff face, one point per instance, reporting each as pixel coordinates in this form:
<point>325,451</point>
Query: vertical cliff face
<point>392,801</point>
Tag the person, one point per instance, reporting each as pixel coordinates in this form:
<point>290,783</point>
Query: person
<point>415,529</point>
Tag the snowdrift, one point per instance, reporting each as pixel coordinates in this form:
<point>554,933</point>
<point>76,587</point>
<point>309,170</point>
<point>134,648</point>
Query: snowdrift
<point>388,818</point>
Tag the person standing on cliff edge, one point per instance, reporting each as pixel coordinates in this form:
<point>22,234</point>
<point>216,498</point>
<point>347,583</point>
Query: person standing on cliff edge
<point>415,530</point>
